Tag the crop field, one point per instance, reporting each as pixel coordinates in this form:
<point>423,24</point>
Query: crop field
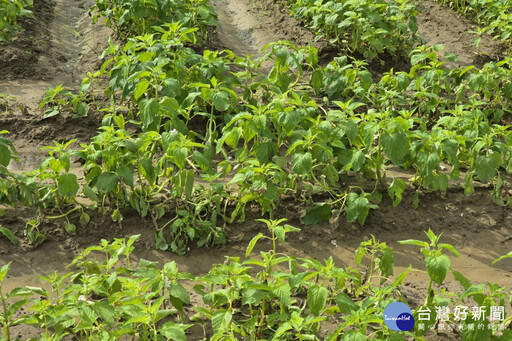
<point>255,170</point>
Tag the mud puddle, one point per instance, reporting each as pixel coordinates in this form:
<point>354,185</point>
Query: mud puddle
<point>58,47</point>
<point>71,46</point>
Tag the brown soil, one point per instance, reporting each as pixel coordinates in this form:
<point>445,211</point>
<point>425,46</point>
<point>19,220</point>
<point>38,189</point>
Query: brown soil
<point>59,46</point>
<point>246,26</point>
<point>440,25</point>
<point>474,225</point>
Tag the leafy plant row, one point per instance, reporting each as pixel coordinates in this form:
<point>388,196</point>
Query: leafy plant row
<point>267,136</point>
<point>11,11</point>
<point>272,296</point>
<point>133,17</point>
<point>370,28</point>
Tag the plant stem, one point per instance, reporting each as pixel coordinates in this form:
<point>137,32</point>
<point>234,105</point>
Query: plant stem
<point>427,299</point>
<point>7,333</point>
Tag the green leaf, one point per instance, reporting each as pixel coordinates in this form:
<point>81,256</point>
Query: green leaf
<point>413,242</point>
<point>386,263</point>
<point>265,151</point>
<point>396,190</point>
<point>173,331</point>
<point>9,235</point>
<point>172,88</point>
<point>149,114</point>
<point>180,157</point>
<point>395,146</point>
<point>140,88</point>
<point>317,298</point>
<point>302,163</point>
<point>189,183</point>
<point>476,81</point>
<point>418,57</point>
<point>105,311</point>
<point>365,77</point>
<point>3,271</point>
<point>466,284</point>
<point>316,80</point>
<point>220,320</point>
<point>254,296</point>
<point>449,248</point>
<point>353,335</point>
<point>486,165</point>
<point>202,161</point>
<point>331,174</point>
<point>428,162</point>
<point>351,129</point>
<point>221,100</point>
<point>5,155</point>
<point>68,185</point>
<point>284,293</point>
<point>149,170</point>
<point>89,193</point>
<point>107,182</point>
<point>252,243</point>
<point>346,304</point>
<point>469,189</point>
<point>508,255</point>
<point>126,174</point>
<point>160,242</point>
<point>357,208</point>
<point>177,290</point>
<point>233,137</point>
<point>437,267</point>
<point>70,228</point>
<point>415,200</point>
<point>317,213</point>
<point>475,333</point>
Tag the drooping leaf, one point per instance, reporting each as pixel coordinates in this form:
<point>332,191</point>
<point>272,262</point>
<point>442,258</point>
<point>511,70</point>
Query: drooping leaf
<point>396,190</point>
<point>252,243</point>
<point>107,182</point>
<point>316,80</point>
<point>357,208</point>
<point>331,174</point>
<point>486,165</point>
<point>345,303</point>
<point>5,155</point>
<point>9,235</point>
<point>317,213</point>
<point>89,193</point>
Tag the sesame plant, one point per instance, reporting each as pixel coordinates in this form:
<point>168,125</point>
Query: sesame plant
<point>11,13</point>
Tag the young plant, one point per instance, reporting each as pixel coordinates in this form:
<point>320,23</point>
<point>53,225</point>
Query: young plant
<point>10,315</point>
<point>436,262</point>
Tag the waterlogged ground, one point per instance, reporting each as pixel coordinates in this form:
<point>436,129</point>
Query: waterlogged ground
<point>64,45</point>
